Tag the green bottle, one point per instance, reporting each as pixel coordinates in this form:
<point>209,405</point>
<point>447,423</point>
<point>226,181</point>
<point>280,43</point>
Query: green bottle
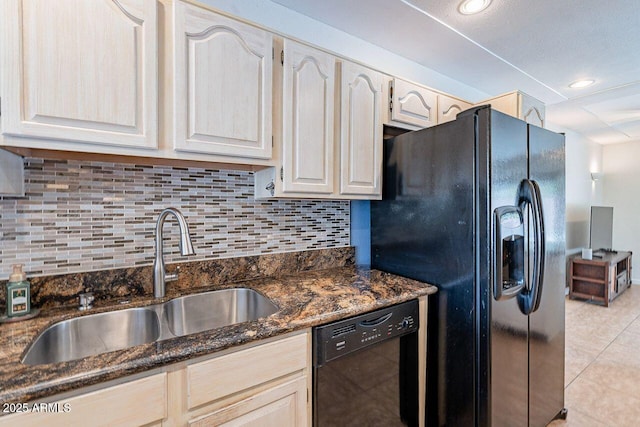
<point>18,293</point>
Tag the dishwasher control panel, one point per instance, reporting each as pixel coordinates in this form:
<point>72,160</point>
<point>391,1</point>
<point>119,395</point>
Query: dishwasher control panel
<point>346,336</point>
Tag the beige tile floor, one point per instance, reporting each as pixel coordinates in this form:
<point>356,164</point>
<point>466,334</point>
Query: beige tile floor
<point>602,363</point>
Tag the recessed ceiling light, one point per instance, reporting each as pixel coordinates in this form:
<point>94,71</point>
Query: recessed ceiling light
<point>469,7</point>
<point>578,84</point>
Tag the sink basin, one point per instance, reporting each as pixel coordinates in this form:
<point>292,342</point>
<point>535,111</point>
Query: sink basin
<point>116,330</point>
<point>209,310</point>
<point>94,334</point>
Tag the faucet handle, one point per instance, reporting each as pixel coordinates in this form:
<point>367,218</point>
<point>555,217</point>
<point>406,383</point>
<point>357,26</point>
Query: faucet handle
<point>171,277</point>
<point>86,300</point>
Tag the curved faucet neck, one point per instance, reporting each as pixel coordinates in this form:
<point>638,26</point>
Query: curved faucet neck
<point>160,276</point>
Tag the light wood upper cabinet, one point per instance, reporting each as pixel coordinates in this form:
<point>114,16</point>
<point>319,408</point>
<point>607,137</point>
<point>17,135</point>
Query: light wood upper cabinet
<point>171,81</point>
<point>411,104</point>
<point>360,130</point>
<point>448,108</point>
<point>307,132</point>
<point>327,128</point>
<point>222,83</point>
<point>519,104</point>
<point>531,110</point>
<point>80,70</point>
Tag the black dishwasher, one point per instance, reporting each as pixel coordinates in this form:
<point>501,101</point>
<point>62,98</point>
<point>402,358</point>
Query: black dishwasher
<point>365,369</point>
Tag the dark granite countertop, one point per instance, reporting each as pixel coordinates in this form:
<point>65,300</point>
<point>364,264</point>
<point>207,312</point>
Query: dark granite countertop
<point>305,299</point>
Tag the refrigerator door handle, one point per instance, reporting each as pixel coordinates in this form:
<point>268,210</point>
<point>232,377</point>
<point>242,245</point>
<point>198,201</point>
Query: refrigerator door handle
<point>529,195</point>
<point>541,248</point>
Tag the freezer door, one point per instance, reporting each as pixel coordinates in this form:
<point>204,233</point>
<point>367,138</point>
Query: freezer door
<point>546,324</point>
<point>423,229</point>
<point>507,341</point>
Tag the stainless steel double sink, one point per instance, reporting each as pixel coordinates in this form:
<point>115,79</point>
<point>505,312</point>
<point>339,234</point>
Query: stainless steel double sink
<point>116,330</point>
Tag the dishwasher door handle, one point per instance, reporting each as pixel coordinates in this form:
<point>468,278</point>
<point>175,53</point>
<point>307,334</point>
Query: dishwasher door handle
<point>375,322</point>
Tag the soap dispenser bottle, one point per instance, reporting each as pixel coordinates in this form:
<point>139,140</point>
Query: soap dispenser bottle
<point>18,293</point>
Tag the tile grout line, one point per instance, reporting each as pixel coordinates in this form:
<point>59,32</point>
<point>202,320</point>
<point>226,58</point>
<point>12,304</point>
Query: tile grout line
<point>602,351</point>
<point>597,357</point>
<point>618,335</point>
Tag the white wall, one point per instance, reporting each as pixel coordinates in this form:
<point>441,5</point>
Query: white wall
<point>583,156</point>
<point>622,191</point>
<point>279,19</point>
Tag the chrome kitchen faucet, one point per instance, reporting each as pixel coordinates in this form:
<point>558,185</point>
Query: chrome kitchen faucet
<point>160,276</point>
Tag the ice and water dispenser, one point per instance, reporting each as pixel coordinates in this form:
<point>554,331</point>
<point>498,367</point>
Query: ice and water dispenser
<point>509,252</point>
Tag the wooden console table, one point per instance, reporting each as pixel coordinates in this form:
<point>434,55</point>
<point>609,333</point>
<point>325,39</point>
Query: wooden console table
<point>600,279</point>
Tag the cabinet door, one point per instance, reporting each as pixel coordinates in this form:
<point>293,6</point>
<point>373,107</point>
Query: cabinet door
<point>413,104</point>
<point>361,130</point>
<point>520,105</point>
<point>307,119</point>
<point>222,78</point>
<point>531,110</point>
<point>80,70</point>
<point>281,406</point>
<point>448,108</point>
<point>134,403</point>
<point>244,369</point>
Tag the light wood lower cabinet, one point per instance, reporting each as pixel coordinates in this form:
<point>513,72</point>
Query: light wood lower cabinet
<point>283,405</point>
<point>132,403</point>
<point>260,384</point>
<point>263,385</point>
<point>219,377</point>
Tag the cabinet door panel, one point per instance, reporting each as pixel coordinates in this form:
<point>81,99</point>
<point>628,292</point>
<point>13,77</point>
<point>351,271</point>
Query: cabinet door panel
<point>81,70</point>
<point>134,403</point>
<point>532,110</point>
<point>448,108</point>
<point>281,406</point>
<point>244,369</point>
<point>412,104</point>
<point>520,105</point>
<point>361,130</point>
<point>222,85</point>
<point>308,108</point>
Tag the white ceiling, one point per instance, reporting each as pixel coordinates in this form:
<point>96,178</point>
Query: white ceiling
<point>537,46</point>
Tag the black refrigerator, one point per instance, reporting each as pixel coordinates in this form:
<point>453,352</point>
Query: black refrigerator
<point>476,207</point>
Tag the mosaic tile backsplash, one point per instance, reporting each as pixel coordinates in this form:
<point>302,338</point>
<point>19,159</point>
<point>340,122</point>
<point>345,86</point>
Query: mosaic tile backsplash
<point>84,216</point>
